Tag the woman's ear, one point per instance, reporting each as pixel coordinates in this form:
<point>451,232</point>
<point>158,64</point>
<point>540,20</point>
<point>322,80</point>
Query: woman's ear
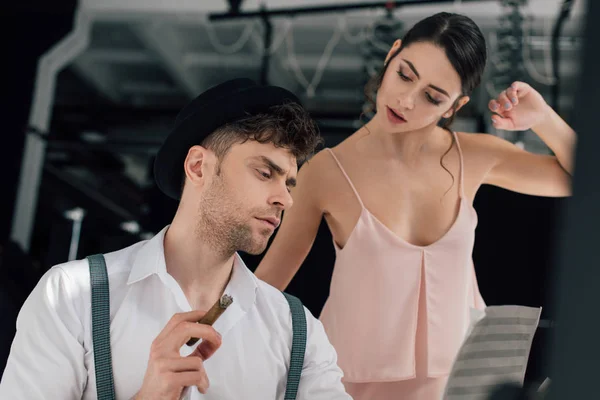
<point>461,102</point>
<point>393,50</point>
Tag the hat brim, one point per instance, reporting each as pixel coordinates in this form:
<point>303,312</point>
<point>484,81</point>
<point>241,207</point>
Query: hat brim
<point>169,162</point>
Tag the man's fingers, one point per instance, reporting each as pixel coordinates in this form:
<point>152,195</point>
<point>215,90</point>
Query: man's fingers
<point>186,364</point>
<point>205,350</point>
<point>187,330</point>
<point>177,319</point>
<point>190,378</point>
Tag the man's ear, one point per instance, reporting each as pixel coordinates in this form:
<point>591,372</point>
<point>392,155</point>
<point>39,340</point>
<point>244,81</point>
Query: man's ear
<point>198,164</point>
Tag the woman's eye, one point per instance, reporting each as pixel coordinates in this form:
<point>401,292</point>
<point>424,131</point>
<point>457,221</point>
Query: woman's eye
<point>432,100</point>
<point>402,76</point>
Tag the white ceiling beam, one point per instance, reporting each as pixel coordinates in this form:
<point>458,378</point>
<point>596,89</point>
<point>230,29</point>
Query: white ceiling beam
<point>120,56</point>
<point>339,63</point>
<point>162,41</point>
<point>192,9</point>
<point>99,76</point>
<point>117,9</point>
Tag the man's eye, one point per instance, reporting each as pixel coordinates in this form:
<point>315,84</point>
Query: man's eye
<point>265,174</point>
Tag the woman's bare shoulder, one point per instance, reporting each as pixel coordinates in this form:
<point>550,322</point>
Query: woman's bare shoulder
<point>478,140</point>
<point>321,174</point>
<point>317,169</point>
<point>476,143</point>
<point>478,149</point>
<point>323,164</point>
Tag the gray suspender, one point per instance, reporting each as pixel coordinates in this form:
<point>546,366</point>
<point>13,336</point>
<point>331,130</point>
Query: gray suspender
<point>101,327</point>
<point>101,334</point>
<point>298,346</point>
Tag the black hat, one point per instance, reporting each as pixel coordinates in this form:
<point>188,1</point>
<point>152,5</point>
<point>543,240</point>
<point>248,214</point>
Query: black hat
<point>227,102</point>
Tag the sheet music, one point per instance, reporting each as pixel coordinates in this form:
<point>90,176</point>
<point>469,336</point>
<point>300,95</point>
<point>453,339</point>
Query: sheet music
<point>495,351</point>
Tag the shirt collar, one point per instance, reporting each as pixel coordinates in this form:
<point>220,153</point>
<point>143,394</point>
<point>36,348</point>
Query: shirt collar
<point>150,260</point>
<point>242,284</point>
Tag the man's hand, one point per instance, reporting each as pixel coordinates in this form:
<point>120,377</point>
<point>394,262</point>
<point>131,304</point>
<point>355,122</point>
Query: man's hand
<point>168,373</point>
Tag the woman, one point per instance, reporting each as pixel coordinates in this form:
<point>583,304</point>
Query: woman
<point>397,196</point>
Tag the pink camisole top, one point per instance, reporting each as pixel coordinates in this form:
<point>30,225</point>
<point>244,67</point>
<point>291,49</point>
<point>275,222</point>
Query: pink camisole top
<point>372,310</point>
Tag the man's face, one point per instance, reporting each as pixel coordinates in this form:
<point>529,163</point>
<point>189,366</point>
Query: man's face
<point>241,206</point>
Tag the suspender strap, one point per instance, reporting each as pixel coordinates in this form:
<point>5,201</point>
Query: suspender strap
<point>101,327</point>
<point>298,346</point>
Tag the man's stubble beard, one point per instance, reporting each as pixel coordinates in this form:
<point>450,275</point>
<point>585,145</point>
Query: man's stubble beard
<point>222,223</point>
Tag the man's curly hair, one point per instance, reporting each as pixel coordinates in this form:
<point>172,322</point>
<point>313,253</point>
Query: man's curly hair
<point>287,126</point>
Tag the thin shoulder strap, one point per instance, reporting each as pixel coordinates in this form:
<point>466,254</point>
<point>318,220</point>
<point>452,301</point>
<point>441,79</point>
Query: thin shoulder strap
<point>298,346</point>
<point>347,177</point>
<point>101,327</point>
<point>460,157</point>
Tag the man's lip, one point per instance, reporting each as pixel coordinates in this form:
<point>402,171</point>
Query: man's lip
<point>272,220</point>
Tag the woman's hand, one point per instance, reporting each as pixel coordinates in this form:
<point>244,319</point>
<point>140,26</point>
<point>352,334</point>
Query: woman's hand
<point>518,108</point>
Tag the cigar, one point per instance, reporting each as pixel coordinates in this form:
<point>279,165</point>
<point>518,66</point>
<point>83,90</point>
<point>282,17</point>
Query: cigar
<point>213,314</point>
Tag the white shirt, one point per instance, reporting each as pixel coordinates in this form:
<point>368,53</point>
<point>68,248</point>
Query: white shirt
<point>52,354</point>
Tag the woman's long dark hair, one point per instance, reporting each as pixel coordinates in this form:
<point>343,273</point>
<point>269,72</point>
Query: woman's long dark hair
<point>465,48</point>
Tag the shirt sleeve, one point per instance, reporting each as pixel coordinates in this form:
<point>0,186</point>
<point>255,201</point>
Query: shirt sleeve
<point>46,360</point>
<point>321,377</point>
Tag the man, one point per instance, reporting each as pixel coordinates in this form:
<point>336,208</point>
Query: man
<point>231,160</point>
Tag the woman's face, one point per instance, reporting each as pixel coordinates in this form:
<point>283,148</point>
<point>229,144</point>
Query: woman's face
<point>419,88</point>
